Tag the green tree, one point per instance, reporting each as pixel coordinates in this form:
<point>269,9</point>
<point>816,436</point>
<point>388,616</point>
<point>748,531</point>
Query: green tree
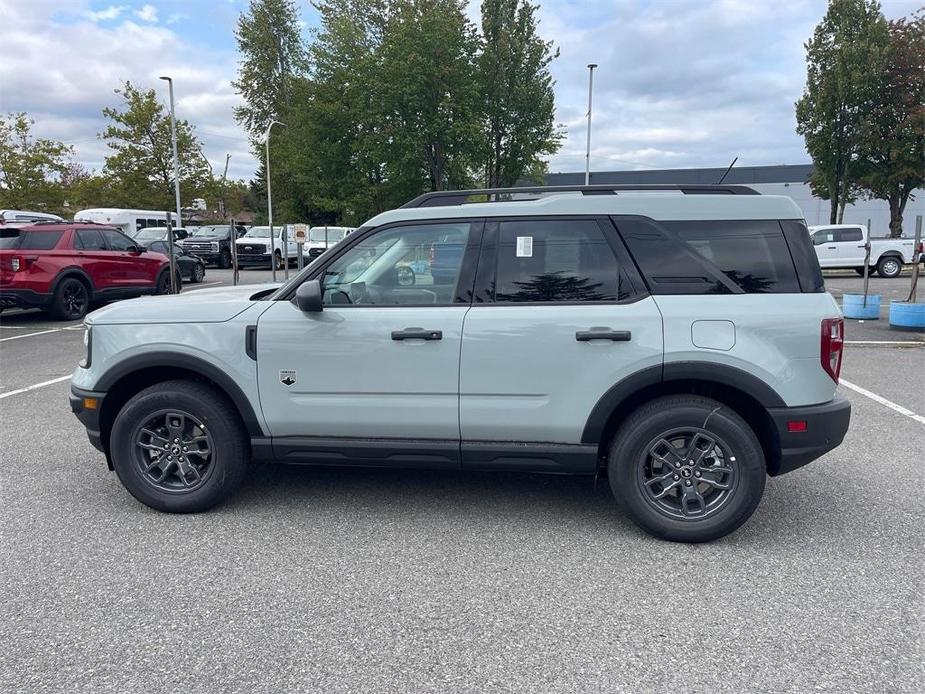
<point>516,93</point>
<point>845,58</point>
<point>894,135</point>
<point>141,164</point>
<point>30,167</point>
<point>272,58</point>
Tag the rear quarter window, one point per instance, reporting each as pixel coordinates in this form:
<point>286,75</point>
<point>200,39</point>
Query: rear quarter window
<point>711,257</point>
<point>32,240</point>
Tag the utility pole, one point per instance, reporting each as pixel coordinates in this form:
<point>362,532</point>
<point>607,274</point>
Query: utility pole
<point>266,141</point>
<point>591,67</point>
<point>173,142</point>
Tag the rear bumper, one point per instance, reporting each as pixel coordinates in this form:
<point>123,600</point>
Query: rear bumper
<point>88,416</point>
<point>826,426</point>
<point>23,298</point>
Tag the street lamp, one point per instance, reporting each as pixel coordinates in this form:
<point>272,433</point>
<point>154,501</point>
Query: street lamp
<point>266,142</point>
<point>591,67</point>
<point>176,186</point>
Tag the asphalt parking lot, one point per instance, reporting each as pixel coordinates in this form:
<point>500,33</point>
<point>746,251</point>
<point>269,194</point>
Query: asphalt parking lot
<point>370,580</point>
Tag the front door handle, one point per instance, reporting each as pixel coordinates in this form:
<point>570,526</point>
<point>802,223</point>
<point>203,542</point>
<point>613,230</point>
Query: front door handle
<point>831,248</point>
<point>603,334</point>
<point>417,334</point>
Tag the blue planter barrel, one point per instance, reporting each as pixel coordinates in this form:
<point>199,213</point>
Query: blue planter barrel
<point>852,306</point>
<point>905,316</point>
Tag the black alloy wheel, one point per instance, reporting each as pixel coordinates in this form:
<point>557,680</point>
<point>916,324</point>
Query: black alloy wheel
<point>72,299</point>
<point>687,473</point>
<point>163,283</point>
<point>199,272</point>
<point>173,451</point>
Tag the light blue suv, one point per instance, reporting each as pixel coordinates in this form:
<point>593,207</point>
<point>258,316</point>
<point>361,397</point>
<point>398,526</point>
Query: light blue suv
<point>677,339</point>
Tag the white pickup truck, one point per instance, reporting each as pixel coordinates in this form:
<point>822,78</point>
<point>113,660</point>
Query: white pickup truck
<point>254,247</point>
<point>842,246</point>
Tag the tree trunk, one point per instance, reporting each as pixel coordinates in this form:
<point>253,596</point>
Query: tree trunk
<point>834,197</point>
<point>841,210</point>
<point>897,206</point>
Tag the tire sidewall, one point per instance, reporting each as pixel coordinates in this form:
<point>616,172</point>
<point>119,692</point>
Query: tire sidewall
<point>627,454</point>
<point>228,459</point>
<point>199,273</point>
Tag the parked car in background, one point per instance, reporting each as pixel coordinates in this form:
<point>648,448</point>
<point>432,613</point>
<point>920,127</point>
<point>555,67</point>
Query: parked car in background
<point>129,222</point>
<point>212,243</point>
<point>189,266</point>
<point>254,247</point>
<point>17,218</point>
<point>322,238</point>
<point>150,234</point>
<point>842,246</point>
<point>64,268</point>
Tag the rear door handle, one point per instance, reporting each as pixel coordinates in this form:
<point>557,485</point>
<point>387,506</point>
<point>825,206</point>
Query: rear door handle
<point>603,334</point>
<point>417,334</point>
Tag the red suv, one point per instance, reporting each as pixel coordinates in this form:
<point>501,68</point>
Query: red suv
<point>65,267</point>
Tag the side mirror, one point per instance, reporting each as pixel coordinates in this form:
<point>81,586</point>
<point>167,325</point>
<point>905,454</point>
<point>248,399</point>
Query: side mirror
<point>308,296</point>
<point>136,250</point>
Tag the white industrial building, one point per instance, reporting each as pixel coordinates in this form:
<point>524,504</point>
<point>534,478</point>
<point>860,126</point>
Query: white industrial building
<point>788,179</point>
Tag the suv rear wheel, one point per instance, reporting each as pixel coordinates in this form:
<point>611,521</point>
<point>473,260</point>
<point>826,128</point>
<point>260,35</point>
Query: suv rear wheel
<point>687,468</point>
<point>179,447</point>
<point>71,300</point>
<point>224,259</point>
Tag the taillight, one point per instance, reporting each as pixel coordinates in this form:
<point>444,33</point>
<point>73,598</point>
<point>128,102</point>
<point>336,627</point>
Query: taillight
<point>832,346</point>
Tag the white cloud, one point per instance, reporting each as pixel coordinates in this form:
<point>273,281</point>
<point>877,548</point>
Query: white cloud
<point>111,12</point>
<point>148,13</point>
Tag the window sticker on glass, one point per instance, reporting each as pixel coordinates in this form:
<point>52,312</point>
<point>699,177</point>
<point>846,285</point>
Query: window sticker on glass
<point>524,246</point>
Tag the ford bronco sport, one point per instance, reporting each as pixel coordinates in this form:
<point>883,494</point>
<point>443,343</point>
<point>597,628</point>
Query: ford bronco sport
<point>678,341</point>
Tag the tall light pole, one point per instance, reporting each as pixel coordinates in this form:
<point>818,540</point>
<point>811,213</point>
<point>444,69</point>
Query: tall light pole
<point>591,67</point>
<point>266,142</point>
<point>173,142</point>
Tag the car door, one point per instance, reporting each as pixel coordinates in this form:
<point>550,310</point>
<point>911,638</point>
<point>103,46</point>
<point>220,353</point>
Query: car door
<point>128,268</point>
<point>94,257</point>
<point>560,316</point>
<point>850,246</point>
<point>826,247</point>
<point>381,360</point>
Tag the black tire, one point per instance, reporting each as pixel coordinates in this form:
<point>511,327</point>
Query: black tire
<point>224,259</point>
<point>859,270</point>
<point>199,273</point>
<point>217,476</point>
<point>71,300</point>
<point>632,463</point>
<point>163,282</point>
<point>889,266</point>
<point>278,260</point>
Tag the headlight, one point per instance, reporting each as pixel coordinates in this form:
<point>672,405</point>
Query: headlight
<point>215,245</point>
<point>88,344</point>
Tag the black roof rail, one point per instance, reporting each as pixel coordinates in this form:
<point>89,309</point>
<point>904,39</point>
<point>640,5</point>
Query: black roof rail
<point>461,197</point>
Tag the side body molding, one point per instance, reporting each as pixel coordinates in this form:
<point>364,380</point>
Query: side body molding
<point>184,361</point>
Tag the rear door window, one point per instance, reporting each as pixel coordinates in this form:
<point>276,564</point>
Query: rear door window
<point>848,235</point>
<point>556,260</point>
<point>90,240</point>
<point>711,257</point>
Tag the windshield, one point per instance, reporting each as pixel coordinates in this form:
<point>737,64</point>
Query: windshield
<point>262,232</point>
<point>210,231</point>
<point>151,234</point>
<point>335,234</point>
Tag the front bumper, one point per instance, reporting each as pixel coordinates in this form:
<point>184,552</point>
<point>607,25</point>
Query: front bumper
<point>825,428</point>
<point>80,400</point>
<point>23,298</point>
<point>245,259</point>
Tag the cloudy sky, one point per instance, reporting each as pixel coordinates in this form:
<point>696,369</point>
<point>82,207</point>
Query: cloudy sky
<point>681,83</point>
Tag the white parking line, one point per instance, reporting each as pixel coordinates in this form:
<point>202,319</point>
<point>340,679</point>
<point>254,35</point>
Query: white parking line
<point>202,284</point>
<point>41,332</point>
<point>883,401</point>
<point>34,386</point>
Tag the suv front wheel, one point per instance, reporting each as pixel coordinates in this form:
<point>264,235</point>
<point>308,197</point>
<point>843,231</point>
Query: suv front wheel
<point>687,468</point>
<point>179,447</point>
